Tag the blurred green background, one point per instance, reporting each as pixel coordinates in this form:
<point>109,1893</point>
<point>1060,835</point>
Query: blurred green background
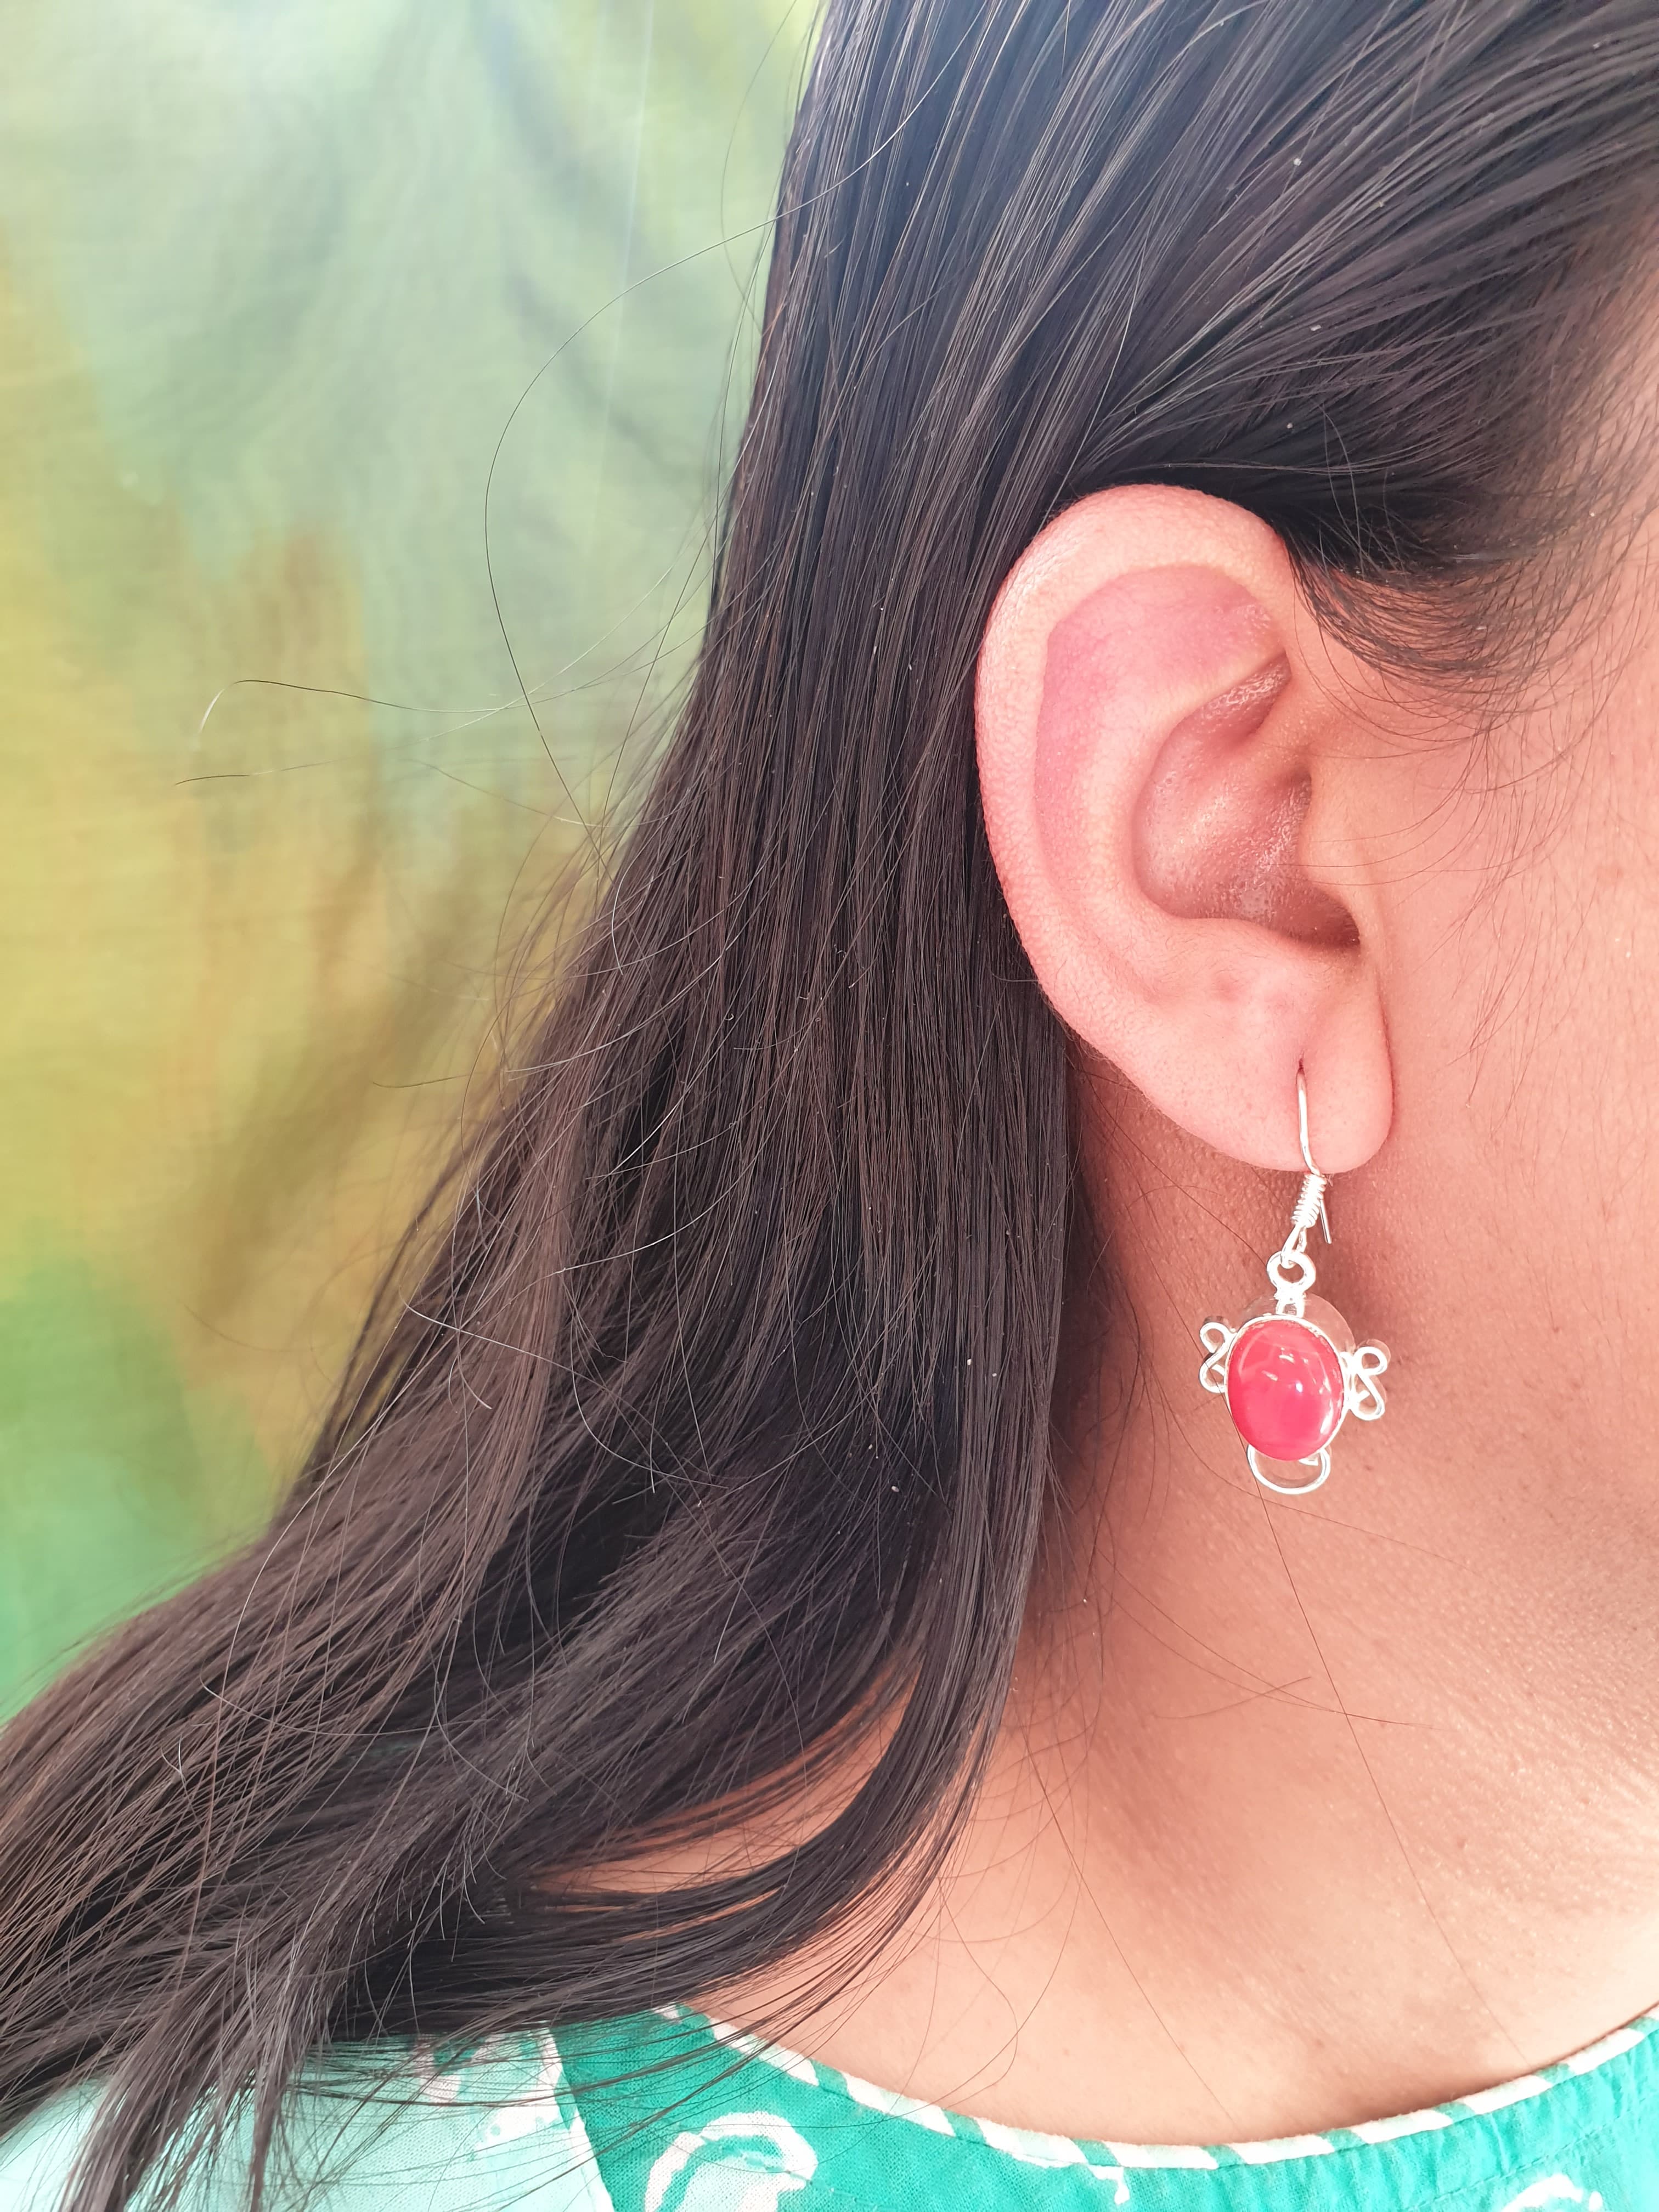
<point>278,279</point>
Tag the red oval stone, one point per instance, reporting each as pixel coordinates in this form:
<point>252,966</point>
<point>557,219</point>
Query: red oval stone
<point>1284,1388</point>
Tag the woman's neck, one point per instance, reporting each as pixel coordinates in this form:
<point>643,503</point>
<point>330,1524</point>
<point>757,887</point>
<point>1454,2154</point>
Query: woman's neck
<point>1303,1813</point>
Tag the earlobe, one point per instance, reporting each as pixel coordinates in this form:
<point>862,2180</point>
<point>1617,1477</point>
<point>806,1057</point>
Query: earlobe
<point>1150,746</point>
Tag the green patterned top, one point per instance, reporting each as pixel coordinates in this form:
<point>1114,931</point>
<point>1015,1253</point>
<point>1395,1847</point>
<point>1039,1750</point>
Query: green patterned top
<point>671,2113</point>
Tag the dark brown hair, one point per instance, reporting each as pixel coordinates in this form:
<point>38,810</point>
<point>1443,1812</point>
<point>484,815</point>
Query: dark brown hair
<point>716,1435</point>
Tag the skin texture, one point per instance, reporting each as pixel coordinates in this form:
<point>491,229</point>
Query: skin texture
<point>1309,1812</point>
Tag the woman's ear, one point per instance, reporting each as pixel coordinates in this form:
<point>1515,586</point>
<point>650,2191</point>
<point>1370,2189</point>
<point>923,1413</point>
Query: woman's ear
<point>1155,760</point>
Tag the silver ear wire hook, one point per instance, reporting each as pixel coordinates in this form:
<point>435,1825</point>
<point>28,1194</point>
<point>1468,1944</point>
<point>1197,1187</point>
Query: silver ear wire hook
<point>1301,1117</point>
<point>1309,1194</point>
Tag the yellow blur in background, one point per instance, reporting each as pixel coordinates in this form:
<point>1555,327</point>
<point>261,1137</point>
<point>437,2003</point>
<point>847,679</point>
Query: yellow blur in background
<point>289,293</point>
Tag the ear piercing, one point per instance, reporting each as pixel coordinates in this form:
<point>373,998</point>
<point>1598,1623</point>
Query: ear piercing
<point>1291,1371</point>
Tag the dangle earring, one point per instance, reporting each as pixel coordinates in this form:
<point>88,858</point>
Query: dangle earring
<point>1291,1371</point>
